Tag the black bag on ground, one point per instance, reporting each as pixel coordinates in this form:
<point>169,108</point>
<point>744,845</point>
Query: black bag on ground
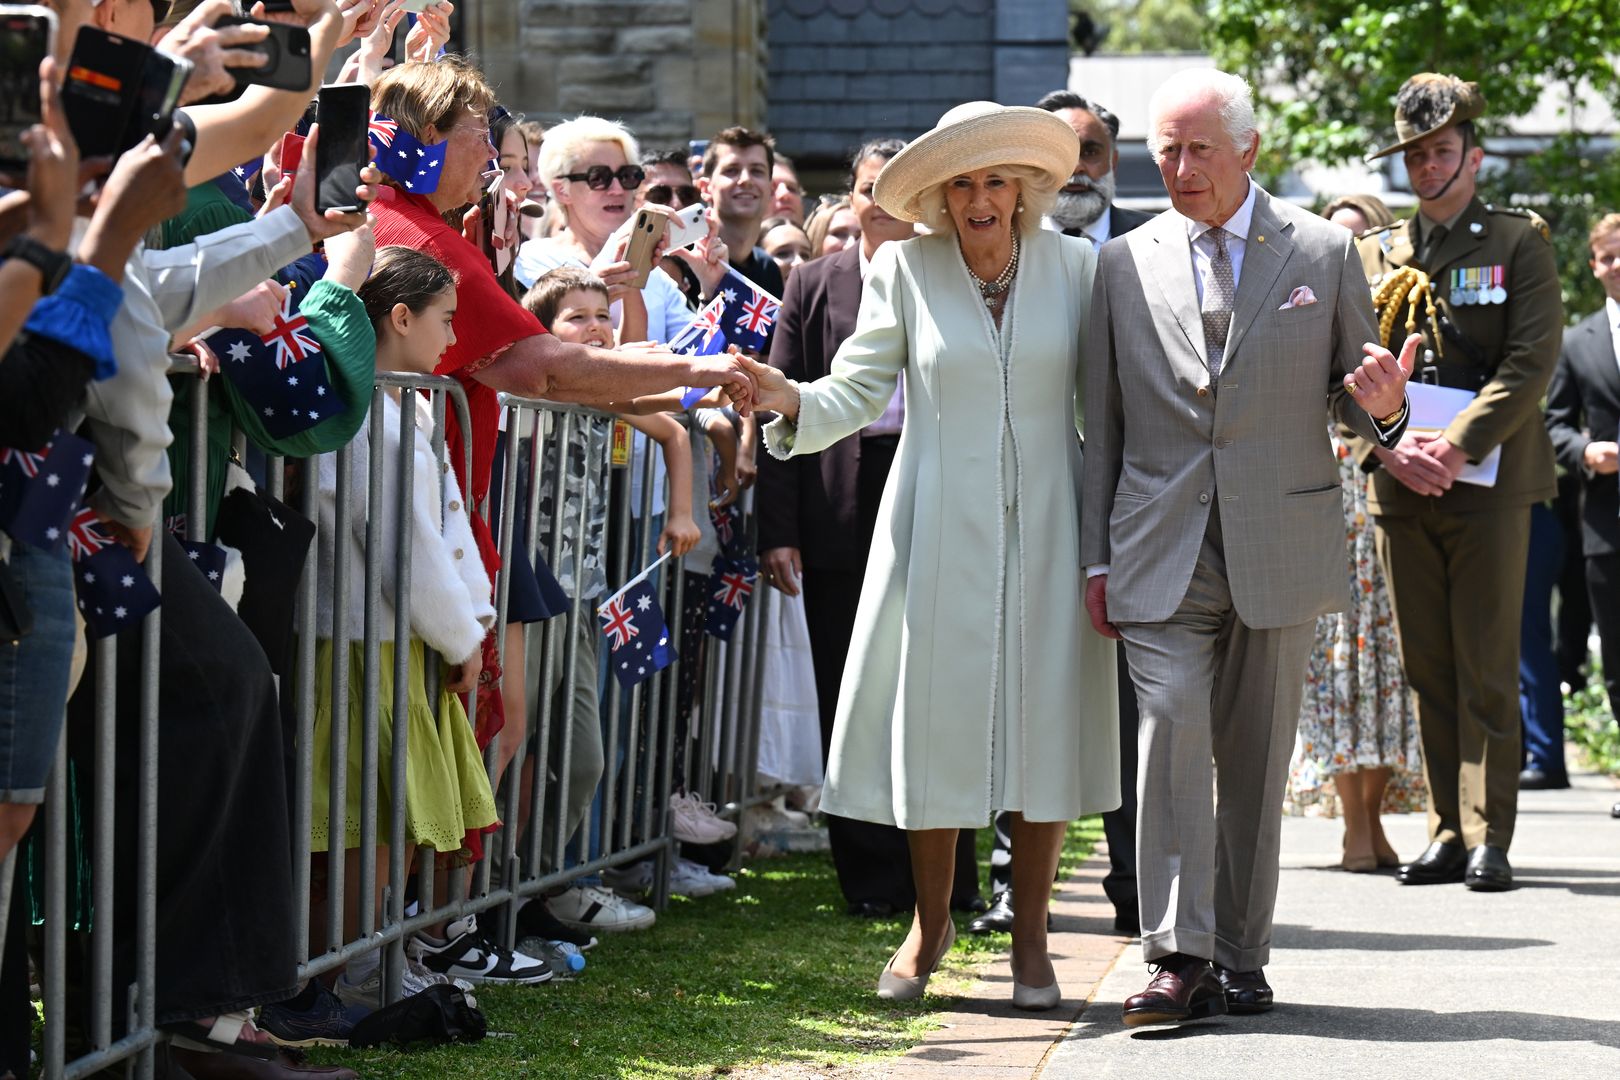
<point>438,1014</point>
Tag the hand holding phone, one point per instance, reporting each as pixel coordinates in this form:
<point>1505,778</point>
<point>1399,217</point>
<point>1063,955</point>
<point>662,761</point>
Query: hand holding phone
<point>118,91</point>
<point>328,222</point>
<point>646,229</point>
<point>344,113</point>
<point>284,50</point>
<point>53,167</point>
<point>221,49</point>
<point>27,36</point>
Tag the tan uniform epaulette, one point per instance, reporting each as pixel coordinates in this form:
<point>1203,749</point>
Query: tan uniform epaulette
<point>1537,222</point>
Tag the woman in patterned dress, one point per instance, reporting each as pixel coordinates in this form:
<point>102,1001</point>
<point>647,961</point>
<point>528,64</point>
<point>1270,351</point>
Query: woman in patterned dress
<point>1357,727</point>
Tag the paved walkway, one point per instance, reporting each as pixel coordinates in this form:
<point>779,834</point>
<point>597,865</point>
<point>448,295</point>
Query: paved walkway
<point>1378,980</point>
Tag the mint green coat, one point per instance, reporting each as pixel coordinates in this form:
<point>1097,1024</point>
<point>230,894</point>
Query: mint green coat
<point>974,681</point>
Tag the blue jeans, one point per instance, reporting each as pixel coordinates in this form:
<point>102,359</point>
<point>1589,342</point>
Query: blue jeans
<point>34,673</point>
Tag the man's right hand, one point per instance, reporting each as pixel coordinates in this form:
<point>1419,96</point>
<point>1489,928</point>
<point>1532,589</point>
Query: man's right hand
<point>1602,458</point>
<point>1413,468</point>
<point>1097,606</point>
<point>213,52</point>
<point>322,225</point>
<point>729,371</point>
<point>784,568</point>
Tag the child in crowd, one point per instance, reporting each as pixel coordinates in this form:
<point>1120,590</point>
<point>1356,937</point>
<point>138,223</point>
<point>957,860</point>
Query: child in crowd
<point>410,299</point>
<point>574,305</point>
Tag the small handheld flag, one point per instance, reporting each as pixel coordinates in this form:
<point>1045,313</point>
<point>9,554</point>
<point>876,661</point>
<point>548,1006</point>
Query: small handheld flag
<point>50,487</point>
<point>114,592</point>
<point>730,585</point>
<point>638,638</point>
<point>750,312</point>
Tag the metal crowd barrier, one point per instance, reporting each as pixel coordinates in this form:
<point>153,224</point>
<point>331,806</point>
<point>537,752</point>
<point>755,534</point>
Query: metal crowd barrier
<point>648,747</point>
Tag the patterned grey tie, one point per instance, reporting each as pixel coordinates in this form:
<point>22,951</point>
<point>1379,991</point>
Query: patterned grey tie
<point>1219,288</point>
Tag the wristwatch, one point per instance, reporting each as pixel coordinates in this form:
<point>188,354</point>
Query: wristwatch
<point>53,266</point>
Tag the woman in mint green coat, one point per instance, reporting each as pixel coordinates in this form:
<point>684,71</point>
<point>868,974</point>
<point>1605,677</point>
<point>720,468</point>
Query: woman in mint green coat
<point>974,683</point>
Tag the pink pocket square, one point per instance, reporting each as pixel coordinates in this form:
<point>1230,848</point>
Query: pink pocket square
<point>1299,298</point>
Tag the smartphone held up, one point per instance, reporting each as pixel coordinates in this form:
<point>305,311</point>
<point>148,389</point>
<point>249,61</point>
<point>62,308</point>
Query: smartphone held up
<point>343,112</point>
<point>27,33</point>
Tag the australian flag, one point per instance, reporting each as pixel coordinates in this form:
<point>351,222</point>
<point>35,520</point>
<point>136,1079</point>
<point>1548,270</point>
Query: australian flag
<point>633,624</point>
<point>114,592</point>
<point>209,559</point>
<point>750,312</point>
<point>730,584</point>
<point>283,373</point>
<point>701,337</point>
<point>728,531</point>
<point>39,492</point>
<point>399,154</point>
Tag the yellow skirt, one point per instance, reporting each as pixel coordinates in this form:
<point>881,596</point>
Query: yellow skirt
<point>447,791</point>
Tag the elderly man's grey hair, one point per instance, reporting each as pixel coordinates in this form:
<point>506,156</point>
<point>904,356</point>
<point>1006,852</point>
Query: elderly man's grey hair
<point>1232,91</point>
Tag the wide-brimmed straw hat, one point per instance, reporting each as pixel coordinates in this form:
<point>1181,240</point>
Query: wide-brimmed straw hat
<point>1431,102</point>
<point>976,135</point>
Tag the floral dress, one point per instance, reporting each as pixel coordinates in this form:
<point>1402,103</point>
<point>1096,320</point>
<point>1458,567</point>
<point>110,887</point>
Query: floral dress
<point>1357,711</point>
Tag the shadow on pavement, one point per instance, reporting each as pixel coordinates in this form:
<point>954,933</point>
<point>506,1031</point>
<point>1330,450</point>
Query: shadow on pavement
<point>1359,1024</point>
<point>1287,936</point>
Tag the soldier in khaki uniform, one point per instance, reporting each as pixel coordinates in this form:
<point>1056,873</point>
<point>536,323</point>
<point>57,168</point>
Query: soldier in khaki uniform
<point>1454,552</point>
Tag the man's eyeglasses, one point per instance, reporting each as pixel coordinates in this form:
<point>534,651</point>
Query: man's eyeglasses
<point>668,194</point>
<point>600,177</point>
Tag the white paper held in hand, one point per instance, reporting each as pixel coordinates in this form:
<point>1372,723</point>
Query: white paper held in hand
<point>1433,409</point>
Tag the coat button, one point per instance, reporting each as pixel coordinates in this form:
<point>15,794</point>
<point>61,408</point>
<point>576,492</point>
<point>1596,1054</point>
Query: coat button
<point>1203,497</point>
<point>1222,443</point>
<point>459,551</point>
<point>1203,391</point>
<point>454,506</point>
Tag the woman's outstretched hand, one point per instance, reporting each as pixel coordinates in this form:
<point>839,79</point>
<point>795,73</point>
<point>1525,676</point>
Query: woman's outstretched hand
<point>773,392</point>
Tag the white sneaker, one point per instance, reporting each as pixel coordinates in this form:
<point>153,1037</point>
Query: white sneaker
<point>687,878</point>
<point>368,991</point>
<point>695,821</point>
<point>633,880</point>
<point>588,908</point>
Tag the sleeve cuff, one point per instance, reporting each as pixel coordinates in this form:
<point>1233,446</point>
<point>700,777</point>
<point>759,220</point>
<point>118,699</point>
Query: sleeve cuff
<point>780,436</point>
<point>1096,571</point>
<point>1385,431</point>
<point>77,315</point>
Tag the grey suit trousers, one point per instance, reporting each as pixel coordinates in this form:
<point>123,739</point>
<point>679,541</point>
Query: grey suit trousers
<point>1214,696</point>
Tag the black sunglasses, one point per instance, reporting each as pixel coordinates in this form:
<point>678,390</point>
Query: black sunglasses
<point>600,177</point>
<point>666,194</point>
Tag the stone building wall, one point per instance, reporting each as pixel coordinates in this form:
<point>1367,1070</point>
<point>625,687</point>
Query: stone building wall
<point>670,69</point>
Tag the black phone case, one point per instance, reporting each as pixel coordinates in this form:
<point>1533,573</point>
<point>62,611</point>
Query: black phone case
<point>342,151</point>
<point>289,66</point>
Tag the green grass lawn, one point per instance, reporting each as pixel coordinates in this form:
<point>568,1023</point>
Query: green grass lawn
<point>773,972</point>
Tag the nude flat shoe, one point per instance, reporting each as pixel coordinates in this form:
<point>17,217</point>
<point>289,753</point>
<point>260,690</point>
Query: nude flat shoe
<point>892,987</point>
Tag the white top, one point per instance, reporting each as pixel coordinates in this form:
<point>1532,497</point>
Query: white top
<point>1237,238</point>
<point>1099,232</point>
<point>449,589</point>
<point>1613,307</point>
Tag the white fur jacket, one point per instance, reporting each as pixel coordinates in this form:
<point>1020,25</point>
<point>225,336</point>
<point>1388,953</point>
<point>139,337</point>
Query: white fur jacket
<point>450,596</point>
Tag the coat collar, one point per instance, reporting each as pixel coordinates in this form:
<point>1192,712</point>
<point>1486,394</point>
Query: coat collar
<point>1463,239</point>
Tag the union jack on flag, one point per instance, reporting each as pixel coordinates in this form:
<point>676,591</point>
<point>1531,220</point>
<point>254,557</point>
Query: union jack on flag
<point>734,589</point>
<point>291,337</point>
<point>381,129</point>
<point>85,536</point>
<point>619,624</point>
<point>750,314</point>
<point>634,625</point>
<point>702,336</point>
<point>28,464</point>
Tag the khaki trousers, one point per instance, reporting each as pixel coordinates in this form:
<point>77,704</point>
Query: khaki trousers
<point>1457,584</point>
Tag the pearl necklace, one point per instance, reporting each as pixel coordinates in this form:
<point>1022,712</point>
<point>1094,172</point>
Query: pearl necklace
<point>992,290</point>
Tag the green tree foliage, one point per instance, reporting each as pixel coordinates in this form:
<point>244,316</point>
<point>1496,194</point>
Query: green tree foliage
<point>1329,69</point>
<point>1148,26</point>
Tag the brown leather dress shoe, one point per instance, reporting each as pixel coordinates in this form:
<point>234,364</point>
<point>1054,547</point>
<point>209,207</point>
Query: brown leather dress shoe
<point>1183,988</point>
<point>1246,991</point>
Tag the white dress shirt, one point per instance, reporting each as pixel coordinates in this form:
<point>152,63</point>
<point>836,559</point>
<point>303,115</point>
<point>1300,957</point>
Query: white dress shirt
<point>1099,232</point>
<point>1613,307</point>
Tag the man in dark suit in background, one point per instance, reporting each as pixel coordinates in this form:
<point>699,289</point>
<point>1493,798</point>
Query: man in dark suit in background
<point>1085,207</point>
<point>1583,414</point>
<point>816,516</point>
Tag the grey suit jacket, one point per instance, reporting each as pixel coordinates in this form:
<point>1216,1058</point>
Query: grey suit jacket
<point>1163,448</point>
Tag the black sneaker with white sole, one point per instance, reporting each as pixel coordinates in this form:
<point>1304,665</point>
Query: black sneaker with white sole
<point>534,919</point>
<point>468,955</point>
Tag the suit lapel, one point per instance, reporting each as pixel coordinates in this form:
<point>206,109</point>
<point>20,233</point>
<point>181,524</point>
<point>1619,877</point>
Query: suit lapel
<point>1266,249</point>
<point>1170,265</point>
<point>1599,350</point>
<point>844,293</point>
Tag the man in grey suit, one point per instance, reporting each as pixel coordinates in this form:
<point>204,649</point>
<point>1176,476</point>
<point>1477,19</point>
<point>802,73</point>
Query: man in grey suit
<point>1223,335</point>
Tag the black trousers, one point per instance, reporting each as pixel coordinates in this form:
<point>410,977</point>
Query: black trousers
<point>1603,587</point>
<point>1119,826</point>
<point>225,903</point>
<point>1574,607</point>
<point>873,861</point>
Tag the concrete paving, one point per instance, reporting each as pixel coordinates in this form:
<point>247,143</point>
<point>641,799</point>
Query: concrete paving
<point>1374,979</point>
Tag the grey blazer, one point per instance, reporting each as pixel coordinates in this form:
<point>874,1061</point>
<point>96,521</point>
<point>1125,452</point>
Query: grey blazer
<point>1163,447</point>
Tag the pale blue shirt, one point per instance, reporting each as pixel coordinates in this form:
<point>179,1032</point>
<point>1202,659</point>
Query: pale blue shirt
<point>1237,239</point>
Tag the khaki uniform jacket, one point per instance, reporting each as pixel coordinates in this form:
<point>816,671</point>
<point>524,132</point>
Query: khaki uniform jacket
<point>1511,346</point>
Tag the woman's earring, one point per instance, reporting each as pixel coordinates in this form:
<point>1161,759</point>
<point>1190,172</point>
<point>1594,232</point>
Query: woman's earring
<point>1020,209</point>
